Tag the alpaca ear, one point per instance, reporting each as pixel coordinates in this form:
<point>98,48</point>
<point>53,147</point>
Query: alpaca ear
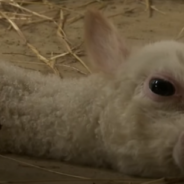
<point>105,48</point>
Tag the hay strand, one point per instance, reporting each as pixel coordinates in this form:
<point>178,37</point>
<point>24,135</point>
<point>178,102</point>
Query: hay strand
<point>41,168</point>
<point>33,49</point>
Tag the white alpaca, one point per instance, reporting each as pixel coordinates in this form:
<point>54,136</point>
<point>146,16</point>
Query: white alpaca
<point>129,116</point>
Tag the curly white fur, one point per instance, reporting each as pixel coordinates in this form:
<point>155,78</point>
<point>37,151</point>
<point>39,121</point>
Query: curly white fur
<point>104,119</point>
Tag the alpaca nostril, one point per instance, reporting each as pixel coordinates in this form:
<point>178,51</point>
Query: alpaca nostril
<point>178,152</point>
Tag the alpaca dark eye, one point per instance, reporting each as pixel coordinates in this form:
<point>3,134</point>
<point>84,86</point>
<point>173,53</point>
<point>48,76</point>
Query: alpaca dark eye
<point>161,87</point>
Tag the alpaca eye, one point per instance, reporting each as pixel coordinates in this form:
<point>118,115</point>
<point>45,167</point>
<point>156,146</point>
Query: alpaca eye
<point>161,87</point>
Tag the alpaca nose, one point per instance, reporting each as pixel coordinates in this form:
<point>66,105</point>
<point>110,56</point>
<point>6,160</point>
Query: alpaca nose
<point>178,152</point>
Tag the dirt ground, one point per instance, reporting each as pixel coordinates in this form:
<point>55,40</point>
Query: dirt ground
<point>133,22</point>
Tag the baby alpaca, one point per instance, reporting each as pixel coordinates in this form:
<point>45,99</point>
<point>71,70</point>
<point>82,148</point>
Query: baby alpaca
<point>128,116</point>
